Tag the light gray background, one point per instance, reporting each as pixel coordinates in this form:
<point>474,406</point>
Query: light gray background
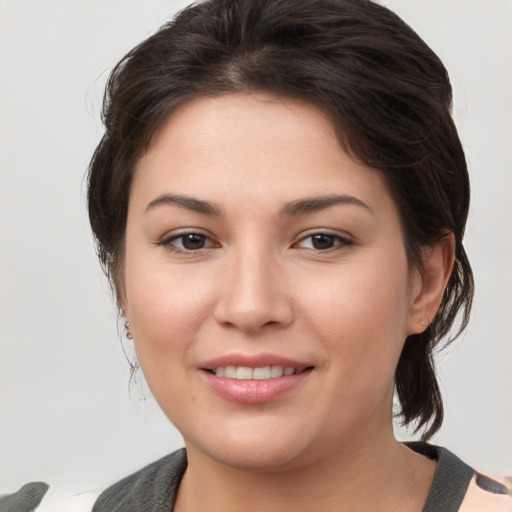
<point>65,411</point>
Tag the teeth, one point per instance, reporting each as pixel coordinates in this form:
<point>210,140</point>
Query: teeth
<point>261,373</point>
<point>276,371</point>
<point>230,372</point>
<point>243,373</point>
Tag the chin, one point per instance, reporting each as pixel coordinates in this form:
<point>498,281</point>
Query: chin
<point>262,459</point>
<point>272,450</point>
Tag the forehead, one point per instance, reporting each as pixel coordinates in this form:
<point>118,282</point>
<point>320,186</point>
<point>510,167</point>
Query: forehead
<point>264,147</point>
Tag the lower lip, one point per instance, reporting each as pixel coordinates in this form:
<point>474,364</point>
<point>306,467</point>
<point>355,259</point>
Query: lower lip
<point>254,391</point>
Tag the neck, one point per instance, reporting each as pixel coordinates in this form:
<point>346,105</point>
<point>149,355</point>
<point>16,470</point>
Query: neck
<point>383,475</point>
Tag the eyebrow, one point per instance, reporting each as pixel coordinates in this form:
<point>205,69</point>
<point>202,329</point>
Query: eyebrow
<point>190,203</point>
<point>314,204</point>
<point>299,207</point>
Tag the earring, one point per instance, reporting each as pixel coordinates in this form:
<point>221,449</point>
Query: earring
<point>128,332</point>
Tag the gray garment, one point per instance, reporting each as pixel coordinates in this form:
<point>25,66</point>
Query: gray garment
<point>154,488</point>
<point>24,500</point>
<point>451,478</point>
<point>151,489</point>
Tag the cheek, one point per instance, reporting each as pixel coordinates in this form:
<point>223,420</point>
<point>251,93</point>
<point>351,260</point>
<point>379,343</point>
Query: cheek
<point>168,311</point>
<point>360,316</point>
<point>166,308</point>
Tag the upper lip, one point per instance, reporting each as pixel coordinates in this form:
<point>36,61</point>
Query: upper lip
<point>254,361</point>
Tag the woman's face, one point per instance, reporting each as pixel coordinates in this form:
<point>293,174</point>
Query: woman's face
<point>257,248</point>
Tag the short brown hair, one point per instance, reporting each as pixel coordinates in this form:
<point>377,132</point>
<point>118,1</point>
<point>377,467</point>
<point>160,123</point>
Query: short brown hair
<point>387,92</point>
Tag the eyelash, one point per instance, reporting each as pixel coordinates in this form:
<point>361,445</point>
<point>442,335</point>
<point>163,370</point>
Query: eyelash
<point>168,243</point>
<point>337,241</point>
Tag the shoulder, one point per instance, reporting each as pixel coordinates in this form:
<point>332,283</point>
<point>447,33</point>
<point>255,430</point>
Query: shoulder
<point>458,487</point>
<point>488,495</point>
<point>152,488</point>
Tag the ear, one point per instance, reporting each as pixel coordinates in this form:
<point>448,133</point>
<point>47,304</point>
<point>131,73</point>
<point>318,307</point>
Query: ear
<point>429,283</point>
<point>117,281</point>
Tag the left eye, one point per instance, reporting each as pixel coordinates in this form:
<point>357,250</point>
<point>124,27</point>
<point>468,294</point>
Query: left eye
<point>322,242</point>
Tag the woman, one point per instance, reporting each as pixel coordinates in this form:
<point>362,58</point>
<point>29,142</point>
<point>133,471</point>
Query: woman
<point>279,200</point>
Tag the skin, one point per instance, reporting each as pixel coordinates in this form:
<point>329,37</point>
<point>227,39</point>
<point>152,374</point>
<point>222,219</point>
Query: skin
<point>259,285</point>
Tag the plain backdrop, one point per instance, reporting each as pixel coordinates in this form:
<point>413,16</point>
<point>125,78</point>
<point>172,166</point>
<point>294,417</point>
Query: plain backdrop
<point>66,413</point>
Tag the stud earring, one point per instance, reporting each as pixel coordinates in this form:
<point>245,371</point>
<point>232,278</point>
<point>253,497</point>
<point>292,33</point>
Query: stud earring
<point>128,332</point>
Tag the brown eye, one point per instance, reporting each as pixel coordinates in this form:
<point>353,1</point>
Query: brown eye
<point>323,242</point>
<point>193,241</point>
<point>187,242</point>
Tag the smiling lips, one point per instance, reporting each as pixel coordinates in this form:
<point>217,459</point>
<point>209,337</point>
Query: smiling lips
<point>261,373</point>
<point>254,380</point>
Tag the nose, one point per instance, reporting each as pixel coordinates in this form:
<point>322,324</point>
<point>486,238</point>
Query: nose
<point>254,294</point>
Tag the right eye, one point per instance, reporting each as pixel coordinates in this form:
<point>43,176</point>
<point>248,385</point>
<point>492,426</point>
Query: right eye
<point>187,242</point>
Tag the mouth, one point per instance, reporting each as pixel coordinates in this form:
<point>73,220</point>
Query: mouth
<point>255,379</point>
<point>258,373</point>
